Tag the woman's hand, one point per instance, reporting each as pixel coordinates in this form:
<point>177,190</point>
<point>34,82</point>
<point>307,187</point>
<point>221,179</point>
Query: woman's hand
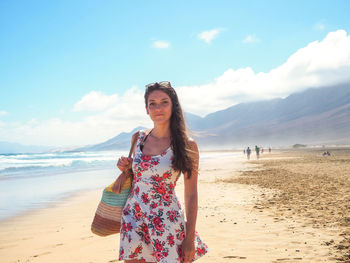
<point>124,163</point>
<point>188,250</point>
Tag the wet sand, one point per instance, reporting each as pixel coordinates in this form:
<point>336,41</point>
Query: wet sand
<point>245,215</point>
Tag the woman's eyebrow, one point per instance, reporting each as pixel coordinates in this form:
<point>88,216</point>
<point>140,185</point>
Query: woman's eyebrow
<point>160,99</point>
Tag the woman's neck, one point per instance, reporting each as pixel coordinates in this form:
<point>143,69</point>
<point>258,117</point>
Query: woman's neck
<point>161,131</point>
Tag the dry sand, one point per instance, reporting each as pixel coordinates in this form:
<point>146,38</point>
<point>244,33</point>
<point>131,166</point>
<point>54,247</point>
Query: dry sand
<point>310,188</point>
<point>240,218</point>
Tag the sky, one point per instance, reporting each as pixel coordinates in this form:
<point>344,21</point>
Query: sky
<point>72,73</point>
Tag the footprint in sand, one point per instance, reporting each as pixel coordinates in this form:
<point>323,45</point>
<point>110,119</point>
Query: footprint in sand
<point>280,259</point>
<point>57,245</point>
<point>26,238</point>
<point>235,257</point>
<point>42,254</point>
<point>284,259</point>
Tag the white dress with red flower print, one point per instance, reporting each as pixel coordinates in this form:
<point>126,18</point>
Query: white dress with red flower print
<point>153,224</point>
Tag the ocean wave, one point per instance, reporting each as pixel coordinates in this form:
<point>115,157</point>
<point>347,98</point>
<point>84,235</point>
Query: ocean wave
<point>41,164</point>
<point>72,164</point>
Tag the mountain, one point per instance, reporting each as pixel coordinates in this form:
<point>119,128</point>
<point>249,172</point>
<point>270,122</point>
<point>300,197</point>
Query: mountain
<point>120,142</point>
<point>319,115</point>
<point>13,148</point>
<point>193,120</point>
<point>315,116</point>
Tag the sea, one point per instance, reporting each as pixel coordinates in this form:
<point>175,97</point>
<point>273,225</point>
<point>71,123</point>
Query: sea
<point>38,180</point>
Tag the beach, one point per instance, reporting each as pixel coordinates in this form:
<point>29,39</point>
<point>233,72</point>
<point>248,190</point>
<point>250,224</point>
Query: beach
<point>288,206</point>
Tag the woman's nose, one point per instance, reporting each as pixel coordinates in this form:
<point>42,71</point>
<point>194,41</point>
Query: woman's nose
<point>158,107</point>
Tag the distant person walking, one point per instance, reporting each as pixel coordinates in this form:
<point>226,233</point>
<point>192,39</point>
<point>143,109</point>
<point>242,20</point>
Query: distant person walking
<point>327,153</point>
<point>257,150</point>
<point>269,149</point>
<point>249,151</point>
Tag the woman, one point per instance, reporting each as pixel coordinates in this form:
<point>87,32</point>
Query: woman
<point>153,225</point>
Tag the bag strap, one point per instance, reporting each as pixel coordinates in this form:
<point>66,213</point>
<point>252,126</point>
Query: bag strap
<point>119,182</point>
<point>133,143</point>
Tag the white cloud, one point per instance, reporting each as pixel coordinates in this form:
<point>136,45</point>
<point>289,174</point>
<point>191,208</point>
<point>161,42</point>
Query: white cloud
<point>95,101</point>
<point>3,113</point>
<point>251,39</point>
<point>161,44</point>
<point>208,36</point>
<point>33,121</point>
<point>320,63</point>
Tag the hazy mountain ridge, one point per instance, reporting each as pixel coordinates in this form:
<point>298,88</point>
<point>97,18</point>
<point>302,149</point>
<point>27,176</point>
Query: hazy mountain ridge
<point>297,105</point>
<point>313,116</point>
<point>121,141</point>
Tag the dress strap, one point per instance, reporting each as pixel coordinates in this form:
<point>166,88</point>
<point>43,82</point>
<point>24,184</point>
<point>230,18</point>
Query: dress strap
<point>144,140</point>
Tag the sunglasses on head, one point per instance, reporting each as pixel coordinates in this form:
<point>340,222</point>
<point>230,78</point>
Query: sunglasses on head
<point>161,83</point>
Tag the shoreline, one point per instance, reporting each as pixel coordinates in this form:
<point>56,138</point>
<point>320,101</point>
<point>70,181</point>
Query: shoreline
<point>25,194</point>
<point>33,202</point>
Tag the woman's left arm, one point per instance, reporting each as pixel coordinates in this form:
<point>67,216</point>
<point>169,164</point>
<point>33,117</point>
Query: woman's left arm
<point>191,205</point>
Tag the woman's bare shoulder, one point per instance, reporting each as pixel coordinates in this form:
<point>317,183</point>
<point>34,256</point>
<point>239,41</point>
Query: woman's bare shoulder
<point>136,134</point>
<point>140,132</point>
<point>192,144</point>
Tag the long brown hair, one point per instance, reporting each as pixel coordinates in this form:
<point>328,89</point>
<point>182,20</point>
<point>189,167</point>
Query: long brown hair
<point>179,140</point>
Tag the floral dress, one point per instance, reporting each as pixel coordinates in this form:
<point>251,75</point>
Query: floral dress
<point>153,224</point>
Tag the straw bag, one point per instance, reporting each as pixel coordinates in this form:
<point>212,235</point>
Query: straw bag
<point>109,211</point>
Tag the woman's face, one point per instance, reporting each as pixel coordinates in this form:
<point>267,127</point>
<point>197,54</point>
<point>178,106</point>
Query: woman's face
<point>159,106</point>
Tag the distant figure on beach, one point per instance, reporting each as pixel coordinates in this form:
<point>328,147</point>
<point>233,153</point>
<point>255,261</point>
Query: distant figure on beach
<point>257,150</point>
<point>249,151</point>
<point>244,151</point>
<point>269,149</point>
<point>153,225</point>
<point>327,153</point>
<point>262,150</point>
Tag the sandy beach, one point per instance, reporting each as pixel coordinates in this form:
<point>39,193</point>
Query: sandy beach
<point>288,206</point>
<point>310,188</point>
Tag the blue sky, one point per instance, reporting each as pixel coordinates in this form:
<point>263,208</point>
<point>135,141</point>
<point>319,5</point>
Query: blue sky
<point>60,58</point>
